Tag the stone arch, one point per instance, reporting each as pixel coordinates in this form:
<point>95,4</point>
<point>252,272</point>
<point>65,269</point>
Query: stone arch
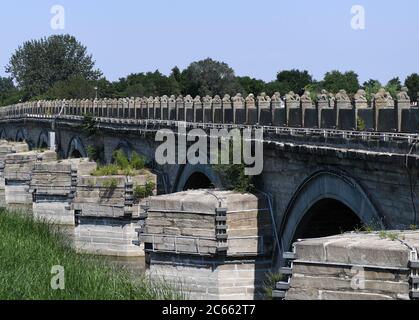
<point>43,140</point>
<point>188,171</point>
<point>21,135</point>
<point>76,149</point>
<point>327,185</point>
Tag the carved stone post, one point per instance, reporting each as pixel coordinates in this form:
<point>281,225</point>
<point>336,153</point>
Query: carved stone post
<point>293,109</point>
<point>402,104</point>
<point>197,110</point>
<point>264,110</point>
<point>239,110</point>
<point>227,110</point>
<point>217,110</point>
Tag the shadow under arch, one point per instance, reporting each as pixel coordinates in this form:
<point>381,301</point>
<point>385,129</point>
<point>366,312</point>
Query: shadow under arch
<point>21,135</point>
<point>76,149</point>
<point>334,186</point>
<point>196,177</point>
<point>3,134</point>
<point>43,140</point>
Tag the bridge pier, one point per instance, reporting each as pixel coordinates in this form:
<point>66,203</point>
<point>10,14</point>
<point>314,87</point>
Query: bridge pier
<point>216,245</point>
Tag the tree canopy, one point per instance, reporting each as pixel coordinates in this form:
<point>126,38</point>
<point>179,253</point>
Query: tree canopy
<point>59,67</point>
<point>209,77</point>
<point>336,80</point>
<point>38,65</point>
<point>412,83</point>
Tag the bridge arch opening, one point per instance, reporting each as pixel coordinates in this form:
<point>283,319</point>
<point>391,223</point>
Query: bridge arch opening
<point>326,203</point>
<point>196,181</point>
<point>327,217</point>
<point>43,142</point>
<point>75,154</point>
<point>76,149</point>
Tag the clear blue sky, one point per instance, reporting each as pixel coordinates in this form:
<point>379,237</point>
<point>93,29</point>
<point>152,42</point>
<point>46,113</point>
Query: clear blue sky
<point>257,38</point>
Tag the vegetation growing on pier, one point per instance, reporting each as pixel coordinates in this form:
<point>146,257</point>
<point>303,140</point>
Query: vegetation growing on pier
<point>29,250</point>
<point>122,165</point>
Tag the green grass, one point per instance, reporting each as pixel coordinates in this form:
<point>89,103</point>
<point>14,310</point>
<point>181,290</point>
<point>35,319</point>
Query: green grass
<point>29,250</point>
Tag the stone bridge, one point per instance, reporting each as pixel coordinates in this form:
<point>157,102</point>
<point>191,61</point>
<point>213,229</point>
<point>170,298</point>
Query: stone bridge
<point>329,165</point>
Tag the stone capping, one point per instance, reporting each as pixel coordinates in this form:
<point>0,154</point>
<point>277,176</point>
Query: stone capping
<point>323,265</point>
<point>216,224</point>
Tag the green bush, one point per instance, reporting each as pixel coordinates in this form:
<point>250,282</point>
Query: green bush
<point>122,165</point>
<point>142,192</point>
<point>137,162</point>
<point>109,170</point>
<point>360,124</point>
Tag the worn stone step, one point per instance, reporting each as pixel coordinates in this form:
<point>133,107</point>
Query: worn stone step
<point>285,271</point>
<point>282,286</point>
<point>289,256</point>
<point>278,294</point>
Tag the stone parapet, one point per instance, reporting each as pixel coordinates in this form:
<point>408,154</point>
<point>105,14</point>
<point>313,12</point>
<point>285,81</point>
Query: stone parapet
<point>384,113</point>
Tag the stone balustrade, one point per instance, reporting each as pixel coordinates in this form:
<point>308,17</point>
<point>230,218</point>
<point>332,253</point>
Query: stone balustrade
<point>384,113</point>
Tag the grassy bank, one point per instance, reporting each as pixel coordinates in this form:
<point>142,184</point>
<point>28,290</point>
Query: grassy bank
<point>29,250</point>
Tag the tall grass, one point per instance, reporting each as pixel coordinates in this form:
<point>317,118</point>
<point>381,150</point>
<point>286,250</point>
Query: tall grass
<point>29,250</point>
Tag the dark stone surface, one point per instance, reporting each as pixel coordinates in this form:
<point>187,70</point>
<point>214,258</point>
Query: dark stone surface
<point>279,117</point>
<point>294,118</point>
<point>199,115</point>
<point>310,118</point>
<point>410,120</point>
<point>328,118</point>
<point>387,120</point>
<point>181,114</point>
<point>367,115</point>
<point>165,115</point>
<point>240,116</point>
<point>208,115</point>
<point>265,117</point>
<point>218,116</point>
<point>347,119</point>
<point>151,113</point>
<point>189,115</point>
<point>172,114</point>
<point>252,116</point>
<point>228,116</point>
<point>158,113</point>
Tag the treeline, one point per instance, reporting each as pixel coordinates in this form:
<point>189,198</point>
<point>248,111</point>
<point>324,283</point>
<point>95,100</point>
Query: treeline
<point>59,67</point>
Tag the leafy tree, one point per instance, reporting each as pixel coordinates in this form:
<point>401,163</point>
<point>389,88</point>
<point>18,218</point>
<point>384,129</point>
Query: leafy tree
<point>39,64</point>
<point>74,88</point>
<point>371,87</point>
<point>147,84</point>
<point>293,80</point>
<point>9,94</point>
<point>412,83</point>
<point>336,80</point>
<point>251,85</point>
<point>394,86</point>
<point>209,77</point>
